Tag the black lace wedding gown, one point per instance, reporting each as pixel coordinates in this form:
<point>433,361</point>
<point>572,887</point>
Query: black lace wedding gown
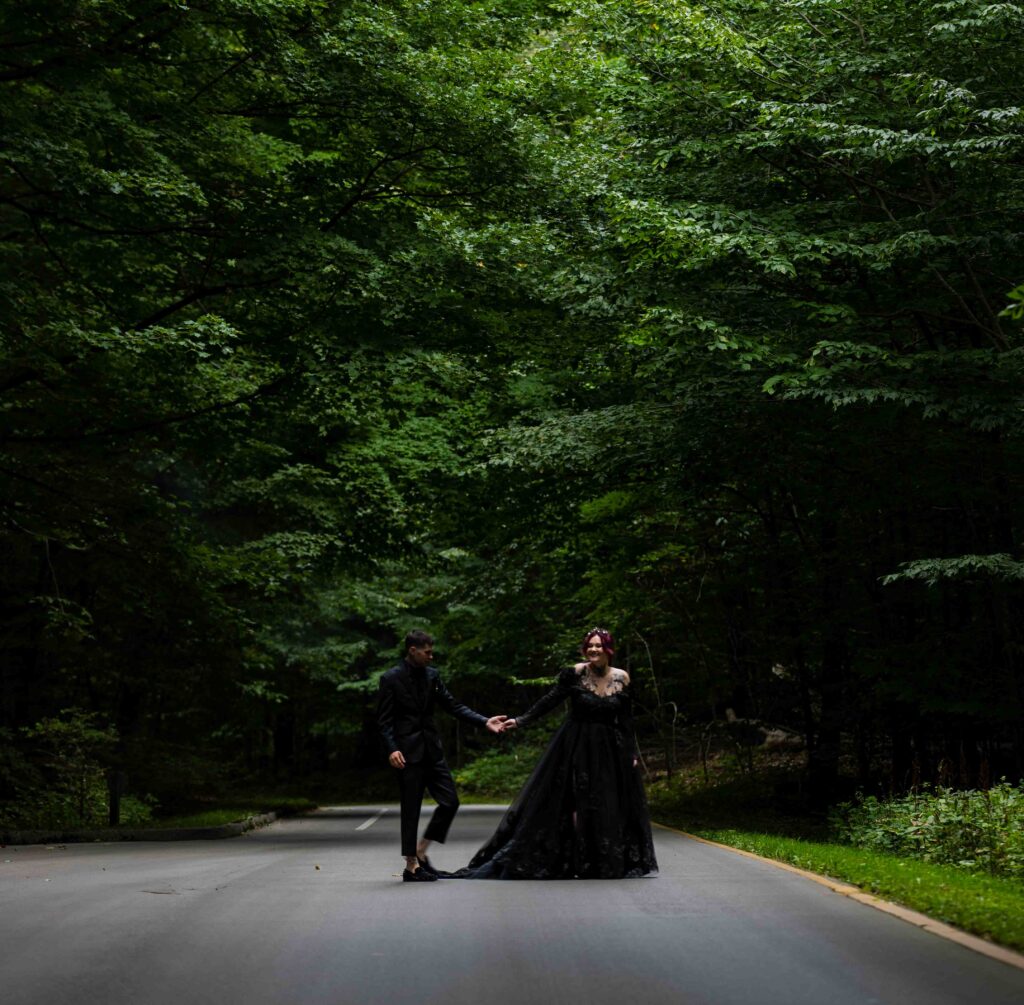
<point>582,812</point>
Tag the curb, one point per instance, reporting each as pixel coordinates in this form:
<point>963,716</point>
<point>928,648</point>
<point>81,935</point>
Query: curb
<point>233,829</point>
<point>973,942</point>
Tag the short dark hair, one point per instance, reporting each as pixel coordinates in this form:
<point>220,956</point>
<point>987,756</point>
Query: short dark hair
<point>417,638</point>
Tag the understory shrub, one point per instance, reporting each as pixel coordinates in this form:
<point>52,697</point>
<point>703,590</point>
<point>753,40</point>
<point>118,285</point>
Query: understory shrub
<point>88,807</point>
<point>500,772</point>
<point>53,776</point>
<point>976,830</point>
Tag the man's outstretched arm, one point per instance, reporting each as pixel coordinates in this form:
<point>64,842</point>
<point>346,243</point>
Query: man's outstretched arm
<point>453,707</point>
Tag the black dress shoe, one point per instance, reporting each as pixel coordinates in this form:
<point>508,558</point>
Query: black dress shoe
<point>419,876</point>
<point>427,865</point>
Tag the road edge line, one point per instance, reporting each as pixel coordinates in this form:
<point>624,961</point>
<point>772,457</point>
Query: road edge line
<point>973,942</point>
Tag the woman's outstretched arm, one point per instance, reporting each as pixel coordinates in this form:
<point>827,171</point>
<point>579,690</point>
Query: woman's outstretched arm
<point>544,704</point>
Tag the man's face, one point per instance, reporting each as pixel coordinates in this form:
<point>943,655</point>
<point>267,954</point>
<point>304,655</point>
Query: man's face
<point>420,656</point>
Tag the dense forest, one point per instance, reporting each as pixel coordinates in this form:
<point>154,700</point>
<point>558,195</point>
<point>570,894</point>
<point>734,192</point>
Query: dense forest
<point>322,321</point>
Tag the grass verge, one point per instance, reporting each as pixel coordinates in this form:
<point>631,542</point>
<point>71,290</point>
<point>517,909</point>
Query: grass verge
<point>989,906</point>
<point>230,811</point>
<point>208,818</point>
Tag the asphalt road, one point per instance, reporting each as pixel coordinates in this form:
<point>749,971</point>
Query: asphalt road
<point>313,911</point>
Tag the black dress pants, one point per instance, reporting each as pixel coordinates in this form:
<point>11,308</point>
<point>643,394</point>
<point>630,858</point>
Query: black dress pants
<point>435,778</point>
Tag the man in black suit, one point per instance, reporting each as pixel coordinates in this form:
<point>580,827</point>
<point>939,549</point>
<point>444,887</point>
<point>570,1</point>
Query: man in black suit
<point>405,716</point>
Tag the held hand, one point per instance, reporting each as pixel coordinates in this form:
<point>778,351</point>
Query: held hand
<point>509,724</point>
<point>396,759</point>
<point>496,722</point>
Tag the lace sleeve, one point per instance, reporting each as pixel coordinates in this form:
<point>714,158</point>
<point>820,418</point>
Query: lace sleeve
<point>556,696</point>
<point>625,720</point>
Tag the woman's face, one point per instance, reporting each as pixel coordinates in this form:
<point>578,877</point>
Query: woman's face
<point>594,651</point>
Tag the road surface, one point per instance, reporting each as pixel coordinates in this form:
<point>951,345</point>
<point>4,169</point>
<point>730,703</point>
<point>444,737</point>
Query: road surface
<point>312,910</point>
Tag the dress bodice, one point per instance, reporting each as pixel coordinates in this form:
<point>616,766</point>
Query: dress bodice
<point>585,704</point>
<point>588,706</point>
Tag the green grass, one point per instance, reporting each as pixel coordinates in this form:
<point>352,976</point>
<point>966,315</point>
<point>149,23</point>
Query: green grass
<point>989,906</point>
<point>229,810</point>
<point>208,818</point>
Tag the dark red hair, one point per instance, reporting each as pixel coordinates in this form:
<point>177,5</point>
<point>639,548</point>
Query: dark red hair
<point>607,642</point>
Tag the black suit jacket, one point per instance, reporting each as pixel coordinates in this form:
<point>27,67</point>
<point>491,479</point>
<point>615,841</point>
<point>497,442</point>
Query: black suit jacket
<point>405,717</point>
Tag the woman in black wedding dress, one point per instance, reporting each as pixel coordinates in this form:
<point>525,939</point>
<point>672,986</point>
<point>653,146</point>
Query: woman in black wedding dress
<point>582,813</point>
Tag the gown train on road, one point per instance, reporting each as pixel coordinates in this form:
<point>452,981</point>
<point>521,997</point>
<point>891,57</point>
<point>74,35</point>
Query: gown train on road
<point>582,813</point>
